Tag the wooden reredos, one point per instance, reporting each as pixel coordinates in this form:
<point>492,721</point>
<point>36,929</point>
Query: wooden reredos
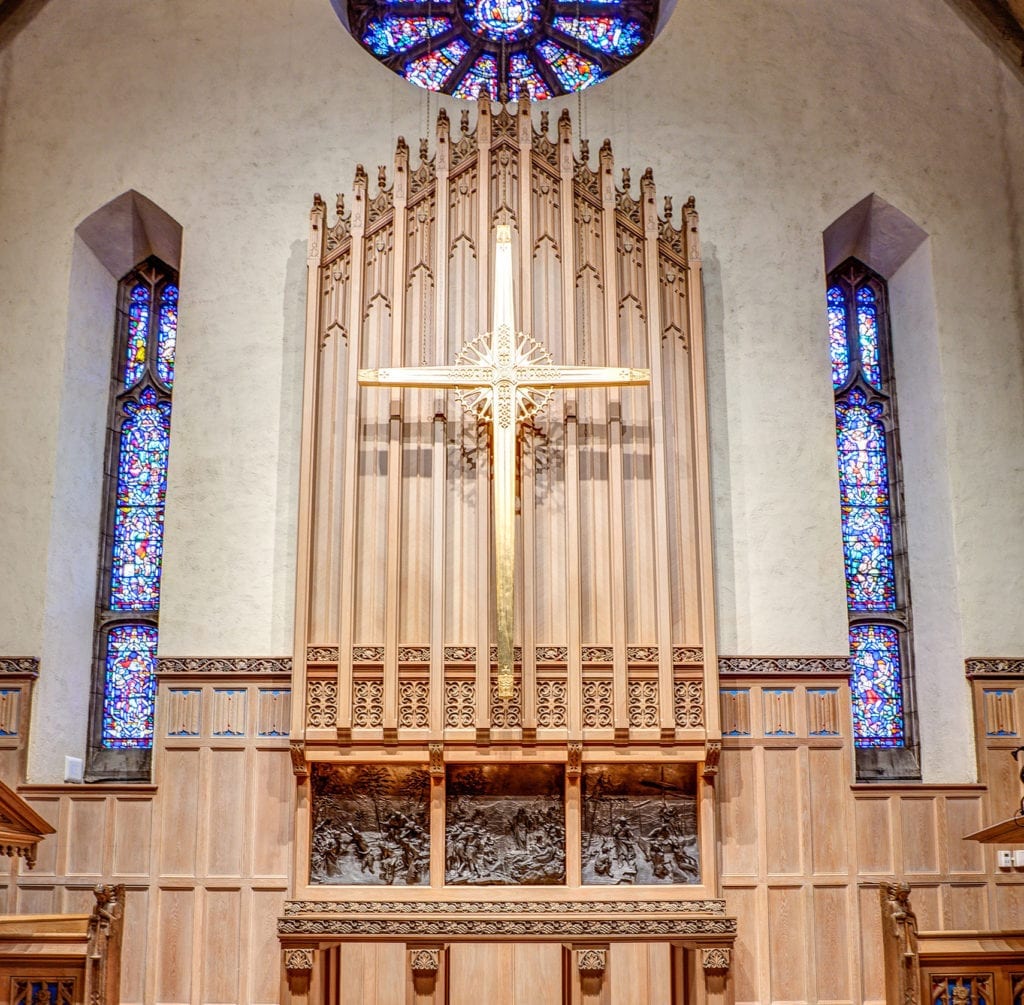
<point>615,621</point>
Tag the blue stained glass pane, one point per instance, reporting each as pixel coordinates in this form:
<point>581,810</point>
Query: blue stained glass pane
<point>867,332</point>
<point>877,686</point>
<point>574,71</point>
<point>481,77</point>
<point>433,70</point>
<point>138,335</point>
<point>523,74</point>
<point>167,334</point>
<point>502,20</point>
<point>138,520</point>
<point>839,348</point>
<point>864,492</point>
<point>611,35</point>
<point>399,34</point>
<point>130,686</point>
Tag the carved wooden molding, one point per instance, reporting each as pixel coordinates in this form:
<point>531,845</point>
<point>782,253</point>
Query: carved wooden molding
<point>832,665</point>
<point>502,907</point>
<point>25,666</point>
<point>299,960</point>
<point>994,666</point>
<point>21,828</point>
<point>235,666</point>
<point>591,961</point>
<point>716,960</point>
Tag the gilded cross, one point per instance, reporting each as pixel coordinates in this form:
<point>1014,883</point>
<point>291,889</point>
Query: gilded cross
<point>504,377</point>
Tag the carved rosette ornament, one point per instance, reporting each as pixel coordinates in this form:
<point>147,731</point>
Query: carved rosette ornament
<point>716,960</point>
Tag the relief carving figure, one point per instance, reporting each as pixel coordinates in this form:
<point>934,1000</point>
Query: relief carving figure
<point>640,825</point>
<point>370,825</point>
<point>505,824</point>
<point>902,920</point>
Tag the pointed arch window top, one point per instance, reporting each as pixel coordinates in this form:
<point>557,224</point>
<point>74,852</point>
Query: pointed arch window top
<point>502,47</point>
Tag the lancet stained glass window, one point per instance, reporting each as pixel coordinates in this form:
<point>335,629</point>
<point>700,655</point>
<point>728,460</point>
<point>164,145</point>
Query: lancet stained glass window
<point>870,505</point>
<point>501,47</point>
<point>129,593</point>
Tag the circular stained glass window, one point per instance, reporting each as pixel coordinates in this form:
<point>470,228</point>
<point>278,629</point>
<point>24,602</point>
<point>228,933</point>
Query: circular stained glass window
<point>503,48</point>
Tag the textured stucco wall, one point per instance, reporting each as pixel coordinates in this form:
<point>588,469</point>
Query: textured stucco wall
<point>778,117</point>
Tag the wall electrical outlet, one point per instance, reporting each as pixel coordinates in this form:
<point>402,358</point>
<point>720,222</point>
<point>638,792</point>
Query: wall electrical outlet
<point>1004,859</point>
<point>74,769</point>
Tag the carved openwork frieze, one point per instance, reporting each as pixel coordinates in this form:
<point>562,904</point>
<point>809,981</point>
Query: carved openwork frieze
<point>27,666</point>
<point>552,704</point>
<point>994,666</point>
<point>598,697</point>
<point>643,704</point>
<point>459,704</point>
<point>414,704</point>
<point>367,703</point>
<point>506,714</point>
<point>236,666</point>
<point>321,654</point>
<point>784,665</point>
<point>716,960</point>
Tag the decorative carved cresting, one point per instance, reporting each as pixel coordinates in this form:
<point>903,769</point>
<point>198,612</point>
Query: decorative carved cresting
<point>234,666</point>
<point>22,665</point>
<point>784,665</point>
<point>994,666</point>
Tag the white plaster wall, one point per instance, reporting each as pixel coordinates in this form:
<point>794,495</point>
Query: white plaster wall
<point>778,117</point>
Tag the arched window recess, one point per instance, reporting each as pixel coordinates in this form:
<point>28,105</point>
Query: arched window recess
<point>131,548</point>
<point>873,528</point>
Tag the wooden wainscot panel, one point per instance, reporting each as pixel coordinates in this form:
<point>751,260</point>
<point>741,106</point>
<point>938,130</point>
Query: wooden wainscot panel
<point>739,806</point>
<point>828,775</point>
<point>172,965</point>
<point>132,836</point>
<point>920,824</point>
<point>834,953</point>
<point>749,969</point>
<point>180,793</point>
<point>785,781</point>
<point>789,947</point>
<point>220,958</point>
<point>876,852</point>
<point>225,810</point>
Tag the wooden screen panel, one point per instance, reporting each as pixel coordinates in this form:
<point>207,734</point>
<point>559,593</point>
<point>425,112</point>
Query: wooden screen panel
<point>173,961</point>
<point>505,974</point>
<point>786,813</point>
<point>639,972</point>
<point>833,924</point>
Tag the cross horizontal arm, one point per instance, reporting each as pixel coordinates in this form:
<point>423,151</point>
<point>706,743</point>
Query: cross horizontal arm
<point>428,376</point>
<point>580,376</point>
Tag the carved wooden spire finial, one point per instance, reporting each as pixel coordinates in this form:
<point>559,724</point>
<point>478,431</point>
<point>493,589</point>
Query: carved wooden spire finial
<point>360,175</point>
<point>423,148</point>
<point>668,207</point>
<point>401,147</point>
<point>545,119</point>
<point>464,122</point>
<point>626,180</point>
<point>318,202</point>
<point>382,176</point>
<point>585,150</point>
<point>339,204</point>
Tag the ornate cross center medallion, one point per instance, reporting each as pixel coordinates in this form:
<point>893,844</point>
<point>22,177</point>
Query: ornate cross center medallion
<point>503,377</point>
